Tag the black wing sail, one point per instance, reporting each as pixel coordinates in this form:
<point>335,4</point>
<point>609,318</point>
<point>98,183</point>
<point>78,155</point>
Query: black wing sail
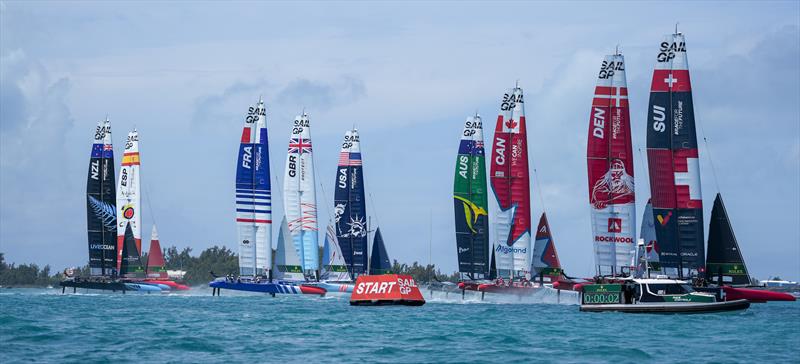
<point>101,197</point>
<point>131,266</point>
<point>379,262</point>
<point>724,259</point>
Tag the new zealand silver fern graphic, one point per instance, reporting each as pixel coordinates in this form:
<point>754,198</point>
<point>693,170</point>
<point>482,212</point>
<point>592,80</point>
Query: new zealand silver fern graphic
<point>107,213</point>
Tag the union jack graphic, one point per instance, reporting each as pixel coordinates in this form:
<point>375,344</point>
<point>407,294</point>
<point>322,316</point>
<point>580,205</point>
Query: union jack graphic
<point>300,145</point>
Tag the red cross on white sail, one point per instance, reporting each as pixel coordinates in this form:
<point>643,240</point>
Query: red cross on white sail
<point>605,96</point>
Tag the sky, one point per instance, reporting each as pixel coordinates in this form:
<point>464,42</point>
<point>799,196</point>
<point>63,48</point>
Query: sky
<point>406,75</point>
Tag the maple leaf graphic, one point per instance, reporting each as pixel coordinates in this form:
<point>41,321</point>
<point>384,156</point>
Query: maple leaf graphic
<point>511,124</point>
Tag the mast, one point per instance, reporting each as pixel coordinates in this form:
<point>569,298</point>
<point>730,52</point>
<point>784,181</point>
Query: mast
<point>254,195</point>
<point>511,186</point>
<point>673,159</point>
<point>101,203</point>
<point>129,194</point>
<point>471,202</point>
<point>609,158</point>
<point>300,201</point>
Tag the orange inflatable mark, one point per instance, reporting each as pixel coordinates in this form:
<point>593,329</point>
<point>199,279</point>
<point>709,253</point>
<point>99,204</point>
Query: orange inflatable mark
<point>386,289</point>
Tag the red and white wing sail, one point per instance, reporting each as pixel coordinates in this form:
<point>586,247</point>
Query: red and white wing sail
<point>511,186</point>
<point>609,159</point>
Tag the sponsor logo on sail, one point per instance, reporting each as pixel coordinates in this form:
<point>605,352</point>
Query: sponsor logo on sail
<point>663,220</point>
<point>608,68</point>
<point>128,211</point>
<point>507,249</point>
<point>462,250</point>
<point>613,239</point>
<point>614,225</point>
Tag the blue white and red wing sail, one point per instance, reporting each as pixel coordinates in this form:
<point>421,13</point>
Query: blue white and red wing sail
<point>350,205</point>
<point>254,196</point>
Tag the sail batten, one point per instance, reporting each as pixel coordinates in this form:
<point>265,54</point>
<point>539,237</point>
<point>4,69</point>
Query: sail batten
<point>673,158</point>
<point>471,202</point>
<point>253,196</point>
<point>350,210</point>
<point>300,201</point>
<point>510,184</point>
<point>610,170</point>
<point>101,202</point>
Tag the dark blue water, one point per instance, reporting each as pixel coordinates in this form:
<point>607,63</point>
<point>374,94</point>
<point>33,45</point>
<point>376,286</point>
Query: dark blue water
<point>43,325</point>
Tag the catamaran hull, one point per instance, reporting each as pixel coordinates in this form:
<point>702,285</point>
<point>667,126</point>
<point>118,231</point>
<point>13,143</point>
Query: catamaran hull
<point>670,308</point>
<point>170,284</point>
<point>106,286</point>
<point>275,288</point>
<point>493,288</point>
<point>334,287</point>
<point>142,287</point>
<point>755,295</point>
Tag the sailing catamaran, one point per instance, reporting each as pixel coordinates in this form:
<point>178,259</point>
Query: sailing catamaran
<point>510,183</point>
<point>100,204</point>
<point>101,216</point>
<point>254,217</point>
<point>471,203</point>
<point>350,207</point>
<point>673,158</point>
<point>299,197</point>
<point>609,159</point>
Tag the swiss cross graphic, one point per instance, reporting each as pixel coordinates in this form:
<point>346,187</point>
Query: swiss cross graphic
<point>614,225</point>
<point>670,80</point>
<point>687,183</point>
<point>299,145</point>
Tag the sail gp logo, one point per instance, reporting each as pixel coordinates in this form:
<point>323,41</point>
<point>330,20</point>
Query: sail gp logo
<point>614,225</point>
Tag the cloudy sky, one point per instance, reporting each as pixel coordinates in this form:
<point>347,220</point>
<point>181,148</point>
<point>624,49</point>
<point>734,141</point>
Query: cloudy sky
<point>406,75</point>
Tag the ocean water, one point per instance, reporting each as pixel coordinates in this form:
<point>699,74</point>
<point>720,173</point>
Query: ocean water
<point>44,326</point>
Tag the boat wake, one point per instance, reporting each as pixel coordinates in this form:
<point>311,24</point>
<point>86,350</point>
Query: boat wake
<point>544,296</point>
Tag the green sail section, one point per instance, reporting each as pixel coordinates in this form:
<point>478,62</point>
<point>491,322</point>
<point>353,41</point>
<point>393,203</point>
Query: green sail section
<point>470,202</point>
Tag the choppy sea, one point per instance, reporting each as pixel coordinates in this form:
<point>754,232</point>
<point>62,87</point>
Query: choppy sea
<point>42,325</point>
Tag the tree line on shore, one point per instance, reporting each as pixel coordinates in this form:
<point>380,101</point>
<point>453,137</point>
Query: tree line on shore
<point>219,260</point>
